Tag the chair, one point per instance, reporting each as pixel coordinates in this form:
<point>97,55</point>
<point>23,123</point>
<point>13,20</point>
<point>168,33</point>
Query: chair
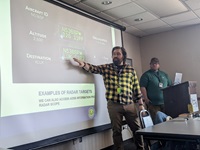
<point>146,121</point>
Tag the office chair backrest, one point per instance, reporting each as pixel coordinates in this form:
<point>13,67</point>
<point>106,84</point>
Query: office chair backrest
<point>145,119</point>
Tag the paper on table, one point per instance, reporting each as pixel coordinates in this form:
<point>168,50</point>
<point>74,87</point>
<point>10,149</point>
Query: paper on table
<point>178,78</point>
<point>194,102</point>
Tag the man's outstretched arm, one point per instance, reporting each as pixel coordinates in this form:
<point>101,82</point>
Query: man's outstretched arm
<point>82,64</point>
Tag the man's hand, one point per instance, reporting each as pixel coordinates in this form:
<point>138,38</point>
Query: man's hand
<point>141,107</point>
<point>147,101</point>
<point>81,63</point>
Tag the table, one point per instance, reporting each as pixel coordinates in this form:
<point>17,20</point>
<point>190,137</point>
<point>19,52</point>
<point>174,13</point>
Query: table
<point>178,129</point>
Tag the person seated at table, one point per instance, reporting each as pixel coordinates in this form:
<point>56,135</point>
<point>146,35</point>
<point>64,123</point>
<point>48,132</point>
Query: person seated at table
<point>161,117</point>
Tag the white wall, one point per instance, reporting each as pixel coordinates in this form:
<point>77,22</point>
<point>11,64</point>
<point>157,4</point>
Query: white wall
<point>178,51</point>
<point>132,46</point>
<point>91,142</point>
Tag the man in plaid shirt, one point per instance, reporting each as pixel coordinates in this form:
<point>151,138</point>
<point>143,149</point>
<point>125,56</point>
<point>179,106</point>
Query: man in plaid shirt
<point>122,94</point>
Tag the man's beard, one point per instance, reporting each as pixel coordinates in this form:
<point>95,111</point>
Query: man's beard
<point>117,61</point>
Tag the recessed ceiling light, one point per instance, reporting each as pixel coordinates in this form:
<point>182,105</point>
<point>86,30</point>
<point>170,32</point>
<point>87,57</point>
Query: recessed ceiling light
<point>106,2</point>
<point>138,19</point>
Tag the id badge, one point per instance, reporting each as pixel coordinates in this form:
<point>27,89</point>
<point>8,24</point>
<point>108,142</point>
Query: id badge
<point>118,90</point>
<point>161,85</point>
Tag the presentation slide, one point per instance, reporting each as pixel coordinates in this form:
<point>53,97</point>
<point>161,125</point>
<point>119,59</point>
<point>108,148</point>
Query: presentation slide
<point>43,93</point>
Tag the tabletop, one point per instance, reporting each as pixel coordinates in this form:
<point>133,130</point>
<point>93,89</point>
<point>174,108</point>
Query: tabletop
<point>176,129</point>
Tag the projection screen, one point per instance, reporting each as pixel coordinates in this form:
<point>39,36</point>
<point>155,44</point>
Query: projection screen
<point>43,93</point>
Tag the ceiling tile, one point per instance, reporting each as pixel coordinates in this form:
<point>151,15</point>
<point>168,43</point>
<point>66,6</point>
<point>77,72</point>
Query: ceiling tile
<point>159,30</point>
<point>132,28</point>
<point>179,18</point>
<point>197,12</point>
<point>146,16</point>
<point>150,25</point>
<point>97,4</point>
<point>163,8</point>
<point>125,10</point>
<point>122,23</point>
<point>106,16</point>
<point>87,8</point>
<point>135,31</point>
<point>186,23</point>
<point>193,4</point>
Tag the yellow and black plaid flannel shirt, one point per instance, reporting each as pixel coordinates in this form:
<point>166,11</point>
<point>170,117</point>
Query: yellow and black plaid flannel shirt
<point>126,80</point>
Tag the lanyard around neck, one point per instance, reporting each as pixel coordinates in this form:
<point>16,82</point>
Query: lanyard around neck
<point>157,74</point>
